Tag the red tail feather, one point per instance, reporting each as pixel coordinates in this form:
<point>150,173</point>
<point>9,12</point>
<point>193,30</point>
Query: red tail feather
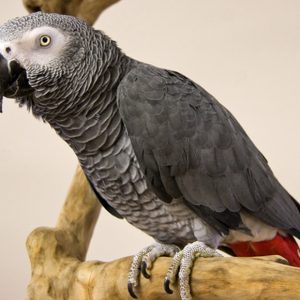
<point>285,246</point>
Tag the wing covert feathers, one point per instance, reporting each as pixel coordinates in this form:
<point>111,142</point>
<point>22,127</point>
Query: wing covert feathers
<point>190,146</point>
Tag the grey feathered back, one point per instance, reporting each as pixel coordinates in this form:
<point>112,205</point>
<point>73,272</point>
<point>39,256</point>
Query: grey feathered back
<point>189,145</point>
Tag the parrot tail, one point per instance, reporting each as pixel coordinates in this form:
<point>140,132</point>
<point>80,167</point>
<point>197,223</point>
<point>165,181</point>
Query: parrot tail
<point>285,246</point>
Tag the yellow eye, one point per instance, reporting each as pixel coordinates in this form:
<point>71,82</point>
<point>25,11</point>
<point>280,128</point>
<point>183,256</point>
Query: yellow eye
<point>45,40</point>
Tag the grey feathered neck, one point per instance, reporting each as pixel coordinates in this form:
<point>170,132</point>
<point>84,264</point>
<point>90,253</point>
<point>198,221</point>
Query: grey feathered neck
<point>90,67</point>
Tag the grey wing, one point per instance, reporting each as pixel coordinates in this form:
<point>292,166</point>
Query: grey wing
<point>190,146</point>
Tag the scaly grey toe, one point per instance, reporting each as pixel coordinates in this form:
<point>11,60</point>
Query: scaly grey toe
<point>143,261</point>
<point>183,262</point>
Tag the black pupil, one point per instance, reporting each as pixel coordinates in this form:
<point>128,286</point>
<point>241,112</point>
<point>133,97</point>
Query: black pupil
<point>45,40</point>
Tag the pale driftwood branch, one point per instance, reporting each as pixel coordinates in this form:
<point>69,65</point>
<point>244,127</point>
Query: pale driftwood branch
<point>59,272</point>
<point>57,254</point>
<point>88,10</point>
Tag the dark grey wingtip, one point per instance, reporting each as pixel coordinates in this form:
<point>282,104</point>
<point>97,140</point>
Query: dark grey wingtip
<point>1,104</point>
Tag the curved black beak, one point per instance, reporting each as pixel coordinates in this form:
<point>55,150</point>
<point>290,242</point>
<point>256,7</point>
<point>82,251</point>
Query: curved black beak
<point>13,80</point>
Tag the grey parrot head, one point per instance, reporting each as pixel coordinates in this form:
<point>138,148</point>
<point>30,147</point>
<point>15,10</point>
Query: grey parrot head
<point>46,61</point>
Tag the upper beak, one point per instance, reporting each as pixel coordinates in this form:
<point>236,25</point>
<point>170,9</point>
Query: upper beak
<point>13,80</point>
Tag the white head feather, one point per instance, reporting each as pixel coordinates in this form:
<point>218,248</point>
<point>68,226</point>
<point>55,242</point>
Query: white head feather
<point>28,50</point>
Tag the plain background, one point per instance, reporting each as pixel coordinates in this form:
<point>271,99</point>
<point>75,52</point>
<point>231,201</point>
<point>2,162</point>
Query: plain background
<point>245,52</point>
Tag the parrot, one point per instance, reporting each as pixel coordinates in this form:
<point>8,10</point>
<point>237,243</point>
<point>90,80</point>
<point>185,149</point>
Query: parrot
<point>157,149</point>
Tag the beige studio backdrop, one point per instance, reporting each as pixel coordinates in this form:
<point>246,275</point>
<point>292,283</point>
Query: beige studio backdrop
<point>244,52</point>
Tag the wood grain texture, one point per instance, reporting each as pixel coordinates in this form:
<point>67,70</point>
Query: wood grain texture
<point>87,10</point>
<point>57,255</point>
<point>60,273</point>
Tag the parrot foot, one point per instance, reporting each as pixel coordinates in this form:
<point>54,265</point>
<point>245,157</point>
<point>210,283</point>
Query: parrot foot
<point>142,263</point>
<point>183,262</point>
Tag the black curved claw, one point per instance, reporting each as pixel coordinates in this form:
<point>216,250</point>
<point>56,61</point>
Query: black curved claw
<point>131,291</point>
<point>144,270</point>
<point>167,286</point>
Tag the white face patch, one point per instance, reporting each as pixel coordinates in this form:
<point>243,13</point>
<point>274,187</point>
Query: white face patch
<point>39,46</point>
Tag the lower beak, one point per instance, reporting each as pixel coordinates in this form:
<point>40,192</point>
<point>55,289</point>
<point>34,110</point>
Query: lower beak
<point>13,80</point>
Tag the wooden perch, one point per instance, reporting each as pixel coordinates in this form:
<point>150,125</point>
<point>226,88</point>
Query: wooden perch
<point>87,10</point>
<point>57,254</point>
<point>59,272</point>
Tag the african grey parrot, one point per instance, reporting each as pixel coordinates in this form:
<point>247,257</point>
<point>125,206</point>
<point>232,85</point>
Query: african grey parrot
<point>157,149</point>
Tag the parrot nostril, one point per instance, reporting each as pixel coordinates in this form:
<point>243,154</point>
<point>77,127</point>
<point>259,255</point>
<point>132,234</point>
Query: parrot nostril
<point>7,50</point>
